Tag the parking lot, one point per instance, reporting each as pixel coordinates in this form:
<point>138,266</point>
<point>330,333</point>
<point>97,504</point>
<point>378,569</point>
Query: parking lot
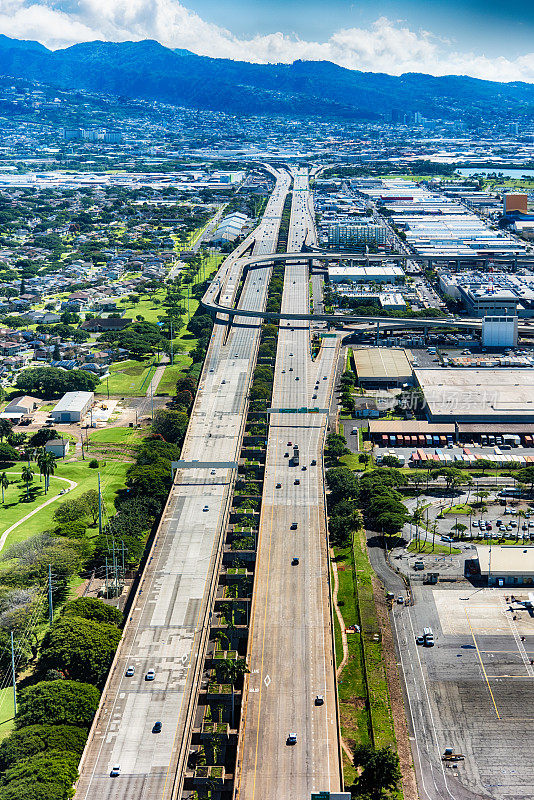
<point>473,691</point>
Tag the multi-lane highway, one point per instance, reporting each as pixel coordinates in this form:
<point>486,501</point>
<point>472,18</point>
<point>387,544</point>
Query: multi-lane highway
<point>168,624</point>
<point>290,645</point>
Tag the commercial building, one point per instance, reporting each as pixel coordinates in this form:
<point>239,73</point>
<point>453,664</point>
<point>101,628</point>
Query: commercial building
<point>478,395</point>
<point>515,202</point>
<point>495,294</point>
<point>499,332</point>
<point>380,367</point>
<point>488,301</point>
<point>507,565</point>
<point>72,407</point>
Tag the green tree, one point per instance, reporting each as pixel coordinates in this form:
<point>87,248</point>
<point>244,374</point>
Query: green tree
<point>57,703</point>
<point>92,609</point>
<point>342,483</point>
<point>6,429</point>
<point>172,425</point>
<point>35,739</point>
<point>526,475</point>
<point>390,461</point>
<point>80,648</point>
<point>7,453</point>
<point>55,770</point>
<point>380,772</point>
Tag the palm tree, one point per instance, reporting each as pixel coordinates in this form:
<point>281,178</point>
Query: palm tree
<point>27,476</point>
<point>232,671</point>
<point>4,483</point>
<point>39,456</point>
<point>47,465</point>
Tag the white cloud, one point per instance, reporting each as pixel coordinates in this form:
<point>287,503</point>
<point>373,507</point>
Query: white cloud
<point>387,46</point>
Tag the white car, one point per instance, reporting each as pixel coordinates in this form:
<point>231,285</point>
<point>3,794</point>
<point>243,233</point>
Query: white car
<point>292,738</point>
<point>115,770</point>
<point>151,675</point>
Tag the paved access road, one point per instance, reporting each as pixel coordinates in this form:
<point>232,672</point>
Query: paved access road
<point>169,622</point>
<point>290,646</point>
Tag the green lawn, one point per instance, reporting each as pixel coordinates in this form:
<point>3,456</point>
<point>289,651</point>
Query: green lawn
<point>128,378</point>
<point>112,478</point>
<point>426,547</point>
<point>128,436</point>
<point>6,712</point>
<point>167,384</point>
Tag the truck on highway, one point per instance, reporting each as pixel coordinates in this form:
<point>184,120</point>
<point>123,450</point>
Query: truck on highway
<point>296,459</point>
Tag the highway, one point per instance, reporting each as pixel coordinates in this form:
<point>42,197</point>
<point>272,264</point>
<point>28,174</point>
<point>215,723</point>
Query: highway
<point>290,644</point>
<point>168,626</point>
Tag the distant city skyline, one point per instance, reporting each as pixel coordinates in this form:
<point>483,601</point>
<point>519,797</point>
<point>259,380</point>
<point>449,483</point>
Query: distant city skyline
<point>483,39</point>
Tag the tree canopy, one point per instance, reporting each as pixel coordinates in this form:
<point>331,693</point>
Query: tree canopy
<point>52,382</point>
<point>36,739</point>
<point>57,703</point>
<point>81,648</point>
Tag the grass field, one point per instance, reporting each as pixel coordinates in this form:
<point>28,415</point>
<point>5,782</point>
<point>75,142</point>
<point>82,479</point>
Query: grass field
<point>111,479</point>
<point>426,547</point>
<point>127,436</point>
<point>167,384</point>
<point>128,378</point>
<point>365,713</point>
<point>379,707</point>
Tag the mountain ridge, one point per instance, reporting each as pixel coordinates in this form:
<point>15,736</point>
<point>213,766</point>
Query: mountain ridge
<point>148,70</point>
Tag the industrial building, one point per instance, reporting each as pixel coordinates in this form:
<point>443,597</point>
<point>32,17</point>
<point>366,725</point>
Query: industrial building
<point>351,235</point>
<point>380,367</point>
<point>503,565</point>
<point>478,395</point>
<point>72,407</point>
<point>499,332</point>
<point>515,202</point>
<point>392,301</point>
<point>19,407</point>
<point>374,273</point>
<point>436,225</point>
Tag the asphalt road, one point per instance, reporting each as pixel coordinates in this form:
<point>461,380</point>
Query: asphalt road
<point>290,645</point>
<point>169,622</point>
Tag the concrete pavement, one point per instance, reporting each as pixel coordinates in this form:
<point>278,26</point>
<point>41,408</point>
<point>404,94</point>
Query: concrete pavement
<point>168,625</point>
<point>290,644</point>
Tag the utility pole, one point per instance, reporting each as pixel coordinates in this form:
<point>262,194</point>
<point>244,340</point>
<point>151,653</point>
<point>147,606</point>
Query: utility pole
<point>106,576</point>
<point>172,349</point>
<point>99,507</point>
<point>152,399</point>
<point>107,384</point>
<point>50,605</point>
<point>13,676</point>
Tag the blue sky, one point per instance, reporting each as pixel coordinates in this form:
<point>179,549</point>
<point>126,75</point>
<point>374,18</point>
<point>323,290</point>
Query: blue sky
<point>482,38</point>
<point>505,27</point>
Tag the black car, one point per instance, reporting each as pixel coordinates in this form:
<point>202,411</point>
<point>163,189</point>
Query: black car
<point>157,727</point>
